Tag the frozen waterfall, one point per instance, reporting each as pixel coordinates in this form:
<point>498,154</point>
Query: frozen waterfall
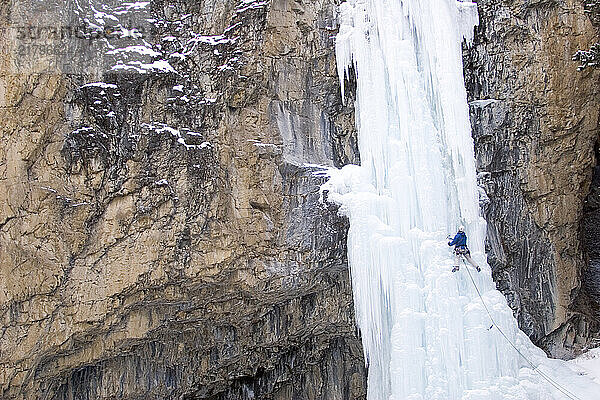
<point>425,331</point>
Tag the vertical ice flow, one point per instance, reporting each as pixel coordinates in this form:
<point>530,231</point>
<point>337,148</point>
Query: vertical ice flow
<point>425,332</point>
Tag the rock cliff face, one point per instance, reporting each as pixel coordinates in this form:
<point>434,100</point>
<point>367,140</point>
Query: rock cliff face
<point>535,125</point>
<point>161,232</point>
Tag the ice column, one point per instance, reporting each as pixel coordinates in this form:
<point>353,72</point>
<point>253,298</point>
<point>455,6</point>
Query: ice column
<point>425,332</point>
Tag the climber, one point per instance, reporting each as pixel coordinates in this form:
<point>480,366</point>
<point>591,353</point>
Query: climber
<point>461,250</point>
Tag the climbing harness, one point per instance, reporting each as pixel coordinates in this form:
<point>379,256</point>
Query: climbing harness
<point>535,368</point>
<point>462,250</point>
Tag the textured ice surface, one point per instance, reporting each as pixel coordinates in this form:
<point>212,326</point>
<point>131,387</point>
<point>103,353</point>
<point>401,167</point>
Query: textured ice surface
<point>425,332</point>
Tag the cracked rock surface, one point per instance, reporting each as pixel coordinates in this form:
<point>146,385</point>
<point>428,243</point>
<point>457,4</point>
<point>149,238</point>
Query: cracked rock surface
<point>535,125</point>
<point>161,232</point>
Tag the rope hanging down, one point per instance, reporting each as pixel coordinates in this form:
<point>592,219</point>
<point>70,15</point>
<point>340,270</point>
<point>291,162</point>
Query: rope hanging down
<point>533,366</point>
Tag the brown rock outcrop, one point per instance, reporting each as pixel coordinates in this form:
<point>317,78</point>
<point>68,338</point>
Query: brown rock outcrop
<point>535,124</point>
<point>161,236</point>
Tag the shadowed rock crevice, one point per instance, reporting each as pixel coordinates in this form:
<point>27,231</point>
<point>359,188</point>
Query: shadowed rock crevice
<point>589,297</point>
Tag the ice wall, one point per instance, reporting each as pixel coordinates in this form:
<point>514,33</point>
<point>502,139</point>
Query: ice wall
<point>425,331</point>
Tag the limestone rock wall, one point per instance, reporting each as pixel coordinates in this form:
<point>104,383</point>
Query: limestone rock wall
<point>161,235</point>
<point>535,125</point>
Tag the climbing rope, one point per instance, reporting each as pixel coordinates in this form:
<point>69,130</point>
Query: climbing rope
<point>533,366</point>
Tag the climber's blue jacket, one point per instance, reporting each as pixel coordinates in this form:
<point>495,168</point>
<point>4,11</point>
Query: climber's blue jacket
<point>459,240</point>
